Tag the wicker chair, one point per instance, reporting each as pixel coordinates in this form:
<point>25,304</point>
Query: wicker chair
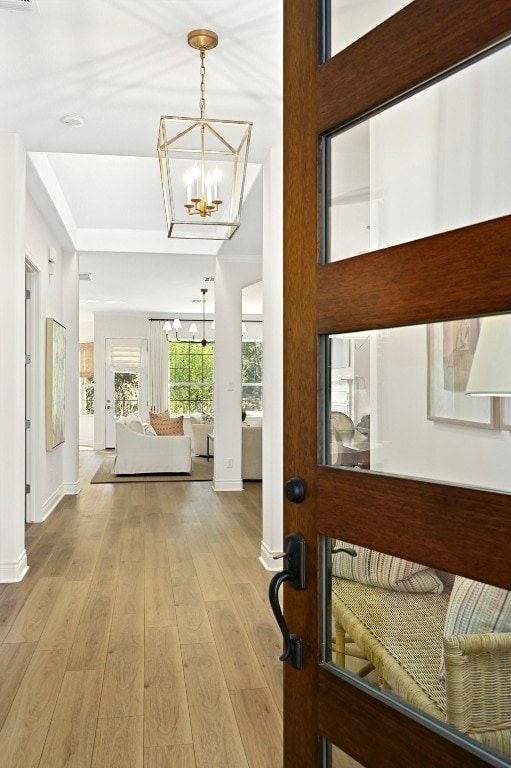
<point>400,634</point>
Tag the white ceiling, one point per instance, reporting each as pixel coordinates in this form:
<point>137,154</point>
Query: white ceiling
<point>121,65</point>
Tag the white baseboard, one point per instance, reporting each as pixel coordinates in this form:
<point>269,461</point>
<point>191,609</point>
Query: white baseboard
<point>72,489</point>
<point>50,504</point>
<point>12,572</point>
<point>266,558</point>
<point>227,485</point>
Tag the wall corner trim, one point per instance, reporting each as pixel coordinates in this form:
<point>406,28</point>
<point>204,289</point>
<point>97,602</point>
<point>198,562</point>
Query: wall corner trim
<point>72,489</point>
<point>266,558</point>
<point>227,485</point>
<point>15,571</point>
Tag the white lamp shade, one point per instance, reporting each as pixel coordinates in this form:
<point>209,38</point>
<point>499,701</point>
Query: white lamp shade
<point>213,325</point>
<point>176,325</point>
<point>193,328</point>
<point>166,326</point>
<point>490,373</point>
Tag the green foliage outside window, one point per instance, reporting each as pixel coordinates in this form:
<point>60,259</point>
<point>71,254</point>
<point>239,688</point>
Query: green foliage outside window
<point>191,372</point>
<point>252,376</point>
<point>87,394</point>
<point>191,375</point>
<point>125,394</point>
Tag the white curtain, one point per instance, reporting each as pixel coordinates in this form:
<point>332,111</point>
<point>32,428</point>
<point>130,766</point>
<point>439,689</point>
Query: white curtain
<point>158,367</point>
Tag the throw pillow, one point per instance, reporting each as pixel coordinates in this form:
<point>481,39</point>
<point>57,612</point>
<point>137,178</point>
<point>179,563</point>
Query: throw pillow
<point>476,608</point>
<point>168,426</point>
<point>208,418</point>
<point>380,570</point>
<point>157,418</point>
<point>148,430</point>
<point>196,418</point>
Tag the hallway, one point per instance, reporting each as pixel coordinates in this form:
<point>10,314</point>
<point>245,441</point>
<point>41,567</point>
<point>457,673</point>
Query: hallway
<point>141,635</point>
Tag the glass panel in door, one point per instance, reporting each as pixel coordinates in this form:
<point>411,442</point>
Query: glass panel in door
<point>434,162</point>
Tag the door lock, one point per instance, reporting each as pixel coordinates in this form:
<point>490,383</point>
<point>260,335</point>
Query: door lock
<point>294,574</point>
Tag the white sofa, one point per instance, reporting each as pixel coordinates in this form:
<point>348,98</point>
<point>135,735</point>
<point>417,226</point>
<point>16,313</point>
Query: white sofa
<point>139,452</point>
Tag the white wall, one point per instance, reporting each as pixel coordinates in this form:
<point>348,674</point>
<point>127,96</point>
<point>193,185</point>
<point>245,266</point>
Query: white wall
<point>273,369</point>
<point>24,231</point>
<point>232,274</point>
<point>58,469</point>
<point>13,560</point>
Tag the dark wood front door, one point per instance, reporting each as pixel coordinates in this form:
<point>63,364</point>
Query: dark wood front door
<point>438,275</point>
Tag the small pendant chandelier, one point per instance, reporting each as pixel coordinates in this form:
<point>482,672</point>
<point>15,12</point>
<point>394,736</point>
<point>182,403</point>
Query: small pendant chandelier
<point>203,164</point>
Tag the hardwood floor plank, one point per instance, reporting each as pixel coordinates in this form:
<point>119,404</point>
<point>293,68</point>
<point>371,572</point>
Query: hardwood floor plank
<point>273,671</point>
<point>26,726</point>
<point>216,736</point>
<point>232,567</point>
<point>210,578</point>
<point>60,629</point>
<point>32,618</point>
<point>105,576</point>
<point>166,719</point>
<point>83,563</point>
<point>156,554</point>
<point>257,713</point>
<point>123,683</point>
<point>191,614</point>
<point>14,660</point>
<point>91,640</point>
<point>239,662</point>
<point>180,756</point>
<point>160,610</point>
<point>119,743</point>
<point>258,622</point>
<point>180,561</point>
<point>71,736</point>
<point>129,597</point>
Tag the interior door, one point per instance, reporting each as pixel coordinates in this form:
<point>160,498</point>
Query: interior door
<point>125,384</point>
<point>359,267</point>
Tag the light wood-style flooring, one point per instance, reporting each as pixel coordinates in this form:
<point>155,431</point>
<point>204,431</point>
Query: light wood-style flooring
<point>141,636</point>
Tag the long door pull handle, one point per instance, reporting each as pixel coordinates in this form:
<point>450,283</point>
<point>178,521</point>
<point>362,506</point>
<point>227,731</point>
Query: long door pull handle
<point>295,575</point>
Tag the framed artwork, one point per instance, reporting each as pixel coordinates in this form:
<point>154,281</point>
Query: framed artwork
<point>55,383</point>
<point>451,347</point>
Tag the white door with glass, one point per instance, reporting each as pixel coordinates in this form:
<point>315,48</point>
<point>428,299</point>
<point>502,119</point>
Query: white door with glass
<point>125,382</point>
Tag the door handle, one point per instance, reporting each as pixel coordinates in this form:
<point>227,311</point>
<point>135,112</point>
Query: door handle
<point>294,574</point>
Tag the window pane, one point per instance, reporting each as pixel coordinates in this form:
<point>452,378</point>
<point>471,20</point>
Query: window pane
<point>434,162</point>
<point>418,401</point>
<point>126,394</point>
<point>191,374</point>
<point>350,20</point>
<point>437,642</point>
<point>87,395</point>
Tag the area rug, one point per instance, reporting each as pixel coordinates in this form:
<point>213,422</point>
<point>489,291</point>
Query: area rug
<point>201,470</point>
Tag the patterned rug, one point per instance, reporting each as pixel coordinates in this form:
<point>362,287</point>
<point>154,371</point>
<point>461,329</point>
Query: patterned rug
<point>201,470</point>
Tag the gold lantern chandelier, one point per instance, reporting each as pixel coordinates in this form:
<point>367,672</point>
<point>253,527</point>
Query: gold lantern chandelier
<point>203,165</point>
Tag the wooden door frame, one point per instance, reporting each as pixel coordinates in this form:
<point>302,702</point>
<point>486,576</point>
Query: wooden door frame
<point>439,43</point>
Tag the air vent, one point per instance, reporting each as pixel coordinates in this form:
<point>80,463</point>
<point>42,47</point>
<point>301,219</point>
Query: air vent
<point>209,279</point>
<point>19,5</point>
<point>87,276</point>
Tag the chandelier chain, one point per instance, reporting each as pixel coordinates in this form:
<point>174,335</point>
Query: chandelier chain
<point>202,101</point>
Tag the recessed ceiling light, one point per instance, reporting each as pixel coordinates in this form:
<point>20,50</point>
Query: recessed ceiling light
<point>72,121</point>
